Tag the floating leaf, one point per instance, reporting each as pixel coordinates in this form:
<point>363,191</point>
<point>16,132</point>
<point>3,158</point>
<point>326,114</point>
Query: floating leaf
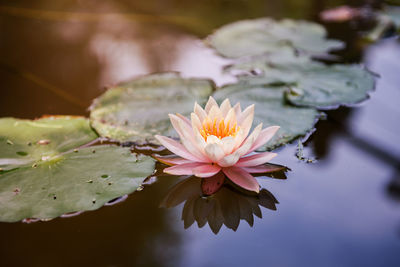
<point>71,182</point>
<point>312,83</point>
<point>330,86</point>
<point>137,110</point>
<point>281,67</point>
<point>25,142</point>
<point>258,36</point>
<point>271,109</point>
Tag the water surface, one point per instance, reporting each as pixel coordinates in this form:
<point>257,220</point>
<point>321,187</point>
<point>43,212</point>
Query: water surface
<point>343,210</point>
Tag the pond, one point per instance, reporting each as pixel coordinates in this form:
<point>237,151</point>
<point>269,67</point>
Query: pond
<point>339,206</point>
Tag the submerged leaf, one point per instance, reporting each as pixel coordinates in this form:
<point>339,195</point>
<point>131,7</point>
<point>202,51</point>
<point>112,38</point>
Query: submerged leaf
<point>271,109</point>
<point>138,110</point>
<point>258,36</point>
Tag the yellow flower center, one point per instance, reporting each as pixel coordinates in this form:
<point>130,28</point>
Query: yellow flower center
<point>218,128</point>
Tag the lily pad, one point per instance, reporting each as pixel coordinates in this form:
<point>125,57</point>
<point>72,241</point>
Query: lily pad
<point>138,110</point>
<point>45,174</point>
<point>312,83</point>
<point>327,87</point>
<point>25,142</point>
<point>281,67</point>
<point>258,36</point>
<point>272,109</point>
<point>71,182</point>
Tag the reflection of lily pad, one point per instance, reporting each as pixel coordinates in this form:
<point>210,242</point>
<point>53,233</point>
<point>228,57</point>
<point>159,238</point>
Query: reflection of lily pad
<point>138,110</point>
<point>254,37</point>
<point>24,142</point>
<point>312,83</point>
<point>44,173</point>
<point>70,182</point>
<point>271,109</point>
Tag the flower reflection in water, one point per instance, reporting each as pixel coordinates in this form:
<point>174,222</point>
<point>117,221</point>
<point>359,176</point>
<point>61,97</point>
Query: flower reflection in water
<point>228,204</point>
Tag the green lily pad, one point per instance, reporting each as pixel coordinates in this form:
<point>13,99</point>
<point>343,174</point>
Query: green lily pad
<point>271,109</point>
<point>71,182</point>
<point>327,87</point>
<point>25,142</point>
<point>138,110</point>
<point>281,67</point>
<point>44,173</point>
<point>312,83</point>
<point>258,36</point>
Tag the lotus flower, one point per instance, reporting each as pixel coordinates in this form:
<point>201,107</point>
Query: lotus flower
<point>217,139</point>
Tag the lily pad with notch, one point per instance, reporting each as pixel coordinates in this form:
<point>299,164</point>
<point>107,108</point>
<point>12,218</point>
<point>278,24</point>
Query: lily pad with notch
<point>137,110</point>
<point>311,83</point>
<point>259,36</point>
<point>271,108</point>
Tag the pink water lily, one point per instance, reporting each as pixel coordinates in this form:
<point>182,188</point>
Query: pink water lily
<point>217,139</point>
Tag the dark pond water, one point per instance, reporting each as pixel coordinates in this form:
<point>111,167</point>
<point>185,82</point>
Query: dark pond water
<point>343,210</point>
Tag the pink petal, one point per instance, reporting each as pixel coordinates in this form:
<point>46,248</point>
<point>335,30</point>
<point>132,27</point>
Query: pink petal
<point>263,168</point>
<point>177,148</point>
<point>233,158</point>
<point>229,160</point>
<point>199,111</point>
<point>184,119</point>
<point>211,185</point>
<point>264,137</point>
<point>175,123</point>
<point>245,120</point>
<point>214,112</point>
<point>195,121</point>
<point>255,160</point>
<point>182,169</point>
<point>228,144</point>
<point>225,107</point>
<point>230,117</point>
<point>238,109</point>
<point>190,140</point>
<point>214,152</point>
<point>172,160</point>
<point>249,111</point>
<point>206,170</point>
<point>210,103</point>
<point>248,143</point>
<point>242,178</point>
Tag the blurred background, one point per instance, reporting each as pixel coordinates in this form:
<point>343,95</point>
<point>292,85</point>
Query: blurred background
<point>343,210</point>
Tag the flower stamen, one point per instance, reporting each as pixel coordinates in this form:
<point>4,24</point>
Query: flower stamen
<point>218,128</point>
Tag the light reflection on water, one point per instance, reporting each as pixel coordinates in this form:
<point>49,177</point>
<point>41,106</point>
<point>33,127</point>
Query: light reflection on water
<point>335,212</point>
